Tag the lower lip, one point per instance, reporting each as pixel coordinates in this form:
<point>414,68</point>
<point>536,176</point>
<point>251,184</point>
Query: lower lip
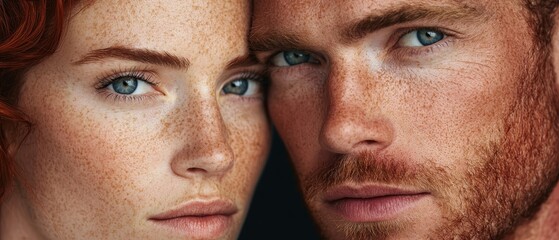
<point>374,209</point>
<point>210,226</point>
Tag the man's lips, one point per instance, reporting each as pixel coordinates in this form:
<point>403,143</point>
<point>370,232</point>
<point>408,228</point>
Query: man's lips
<point>370,203</point>
<point>201,219</point>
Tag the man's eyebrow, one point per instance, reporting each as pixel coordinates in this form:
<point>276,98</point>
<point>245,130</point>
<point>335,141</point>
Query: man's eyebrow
<point>401,14</point>
<point>134,54</point>
<point>273,41</point>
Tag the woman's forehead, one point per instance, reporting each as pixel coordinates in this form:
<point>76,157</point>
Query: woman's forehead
<point>208,30</point>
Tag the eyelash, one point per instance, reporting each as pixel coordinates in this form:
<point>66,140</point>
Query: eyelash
<point>257,76</point>
<point>105,81</point>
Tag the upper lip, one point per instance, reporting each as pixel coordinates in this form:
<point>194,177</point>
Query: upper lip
<point>365,191</point>
<point>199,208</point>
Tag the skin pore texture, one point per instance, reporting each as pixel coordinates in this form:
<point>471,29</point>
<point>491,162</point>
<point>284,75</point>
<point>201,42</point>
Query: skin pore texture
<point>100,164</point>
<point>457,137</point>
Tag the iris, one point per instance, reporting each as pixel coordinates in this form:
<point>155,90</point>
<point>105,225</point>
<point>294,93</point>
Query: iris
<point>125,85</point>
<point>428,37</point>
<point>295,57</point>
<point>238,87</point>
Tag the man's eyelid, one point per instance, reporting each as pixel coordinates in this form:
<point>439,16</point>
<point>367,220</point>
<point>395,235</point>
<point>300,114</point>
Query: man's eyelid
<point>444,30</point>
<point>399,33</point>
<point>314,57</point>
<point>264,57</point>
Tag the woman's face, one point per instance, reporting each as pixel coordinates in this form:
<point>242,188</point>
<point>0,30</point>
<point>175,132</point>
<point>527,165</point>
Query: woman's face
<point>149,123</point>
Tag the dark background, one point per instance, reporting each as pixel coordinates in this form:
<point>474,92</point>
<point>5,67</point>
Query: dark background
<point>277,210</point>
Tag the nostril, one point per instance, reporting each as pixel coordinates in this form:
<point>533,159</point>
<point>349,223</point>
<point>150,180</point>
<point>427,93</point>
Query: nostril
<point>196,170</point>
<point>369,142</point>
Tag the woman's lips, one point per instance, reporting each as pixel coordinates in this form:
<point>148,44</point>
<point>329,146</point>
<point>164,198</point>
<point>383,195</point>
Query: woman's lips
<point>370,203</point>
<point>200,219</point>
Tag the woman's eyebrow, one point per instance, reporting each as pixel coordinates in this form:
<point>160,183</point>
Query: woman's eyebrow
<point>135,54</point>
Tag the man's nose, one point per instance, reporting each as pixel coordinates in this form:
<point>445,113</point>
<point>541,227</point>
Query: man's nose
<point>205,147</point>
<point>355,120</point>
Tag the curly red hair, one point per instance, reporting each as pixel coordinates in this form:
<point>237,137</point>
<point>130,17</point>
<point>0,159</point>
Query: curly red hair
<point>30,30</point>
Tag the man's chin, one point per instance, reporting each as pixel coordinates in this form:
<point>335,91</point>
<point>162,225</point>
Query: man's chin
<point>394,229</point>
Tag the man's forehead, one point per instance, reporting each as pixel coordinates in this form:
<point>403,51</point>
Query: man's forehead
<point>286,11</point>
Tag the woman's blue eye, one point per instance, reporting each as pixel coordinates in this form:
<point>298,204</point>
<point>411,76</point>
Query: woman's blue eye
<point>421,38</point>
<point>238,87</point>
<point>242,87</point>
<point>132,84</point>
<point>125,85</point>
<point>291,58</point>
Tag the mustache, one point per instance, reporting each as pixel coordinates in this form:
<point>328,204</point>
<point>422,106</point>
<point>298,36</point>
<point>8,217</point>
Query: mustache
<point>375,168</point>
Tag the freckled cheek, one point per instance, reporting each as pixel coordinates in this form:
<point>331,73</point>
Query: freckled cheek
<point>297,109</point>
<point>249,138</point>
<point>442,120</point>
<point>90,159</point>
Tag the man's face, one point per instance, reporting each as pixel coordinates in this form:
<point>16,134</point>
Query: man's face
<point>411,119</point>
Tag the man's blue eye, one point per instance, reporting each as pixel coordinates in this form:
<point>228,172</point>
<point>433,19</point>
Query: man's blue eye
<point>294,58</point>
<point>421,38</point>
<point>428,37</point>
<point>125,85</point>
<point>290,58</point>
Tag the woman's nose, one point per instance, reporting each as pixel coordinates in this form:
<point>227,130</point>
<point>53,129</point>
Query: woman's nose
<point>205,142</point>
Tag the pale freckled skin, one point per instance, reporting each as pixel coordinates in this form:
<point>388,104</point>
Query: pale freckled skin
<point>96,166</point>
<point>462,106</point>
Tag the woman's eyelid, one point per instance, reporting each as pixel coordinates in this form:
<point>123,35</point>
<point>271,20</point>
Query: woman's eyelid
<point>148,82</point>
<point>251,74</point>
<point>255,73</point>
<point>146,75</point>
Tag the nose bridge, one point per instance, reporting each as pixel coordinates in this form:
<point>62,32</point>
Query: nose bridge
<point>205,148</point>
<point>354,120</point>
<point>351,88</point>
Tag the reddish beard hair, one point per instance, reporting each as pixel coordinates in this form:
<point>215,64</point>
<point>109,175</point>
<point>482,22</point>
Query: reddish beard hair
<point>513,178</point>
<point>372,168</point>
